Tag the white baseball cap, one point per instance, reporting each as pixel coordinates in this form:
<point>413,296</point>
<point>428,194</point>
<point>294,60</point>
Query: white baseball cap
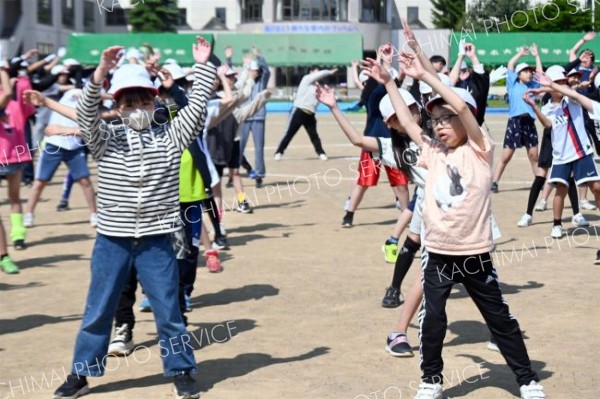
<point>129,76</point>
<point>522,66</point>
<point>574,72</point>
<point>387,109</point>
<point>70,61</point>
<point>58,69</point>
<point>134,53</point>
<point>175,70</point>
<point>462,93</point>
<point>424,88</point>
<point>254,66</point>
<point>556,73</point>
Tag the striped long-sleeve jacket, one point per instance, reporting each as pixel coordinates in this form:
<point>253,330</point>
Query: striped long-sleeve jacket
<point>138,172</point>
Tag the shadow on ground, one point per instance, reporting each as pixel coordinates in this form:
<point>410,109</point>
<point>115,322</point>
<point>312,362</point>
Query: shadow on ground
<point>231,295</point>
<point>211,372</point>
<point>24,323</point>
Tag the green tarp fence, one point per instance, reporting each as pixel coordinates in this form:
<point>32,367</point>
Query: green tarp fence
<point>278,49</point>
<point>87,47</point>
<point>499,48</point>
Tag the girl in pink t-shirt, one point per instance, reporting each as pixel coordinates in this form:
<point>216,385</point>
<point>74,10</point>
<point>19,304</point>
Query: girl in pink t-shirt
<point>6,264</point>
<point>457,219</point>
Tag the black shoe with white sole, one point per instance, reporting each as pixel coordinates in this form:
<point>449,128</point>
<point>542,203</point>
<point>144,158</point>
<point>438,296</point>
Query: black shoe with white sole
<point>74,387</point>
<point>184,387</point>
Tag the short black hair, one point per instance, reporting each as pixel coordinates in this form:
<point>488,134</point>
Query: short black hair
<point>437,58</point>
<point>593,55</point>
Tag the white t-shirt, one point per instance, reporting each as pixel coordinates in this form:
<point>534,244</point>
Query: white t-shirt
<point>388,156</point>
<point>70,142</point>
<point>570,140</point>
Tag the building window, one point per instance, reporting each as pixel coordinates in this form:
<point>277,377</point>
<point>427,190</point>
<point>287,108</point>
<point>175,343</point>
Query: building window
<point>68,13</point>
<point>412,14</point>
<point>311,10</point>
<point>89,15</point>
<point>118,17</point>
<point>44,12</point>
<point>45,49</point>
<point>373,11</point>
<point>221,14</point>
<point>252,10</point>
<point>182,17</point>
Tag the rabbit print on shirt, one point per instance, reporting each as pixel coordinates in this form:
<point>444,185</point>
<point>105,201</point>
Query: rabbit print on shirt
<point>448,190</point>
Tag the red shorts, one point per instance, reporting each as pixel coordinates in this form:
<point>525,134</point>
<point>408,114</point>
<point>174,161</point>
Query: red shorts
<point>369,171</point>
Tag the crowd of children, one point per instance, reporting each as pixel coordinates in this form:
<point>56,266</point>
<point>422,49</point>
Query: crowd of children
<point>162,137</point>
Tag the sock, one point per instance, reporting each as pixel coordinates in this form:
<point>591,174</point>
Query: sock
<point>392,240</point>
<point>557,222</point>
<point>573,197</point>
<point>393,335</point>
<point>406,255</point>
<point>17,230</point>
<point>209,205</point>
<point>534,192</point>
<point>241,197</point>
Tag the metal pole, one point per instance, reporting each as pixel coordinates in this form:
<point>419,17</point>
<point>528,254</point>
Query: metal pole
<point>593,15</point>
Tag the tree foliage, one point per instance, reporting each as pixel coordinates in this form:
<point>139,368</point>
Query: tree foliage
<point>154,16</point>
<point>483,14</point>
<point>447,14</point>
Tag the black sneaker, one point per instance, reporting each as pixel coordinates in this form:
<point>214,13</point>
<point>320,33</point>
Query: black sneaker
<point>74,387</point>
<point>63,206</point>
<point>597,262</point>
<point>399,346</point>
<point>244,207</point>
<point>185,387</point>
<point>391,298</point>
<point>347,221</point>
<point>495,187</point>
<point>259,182</point>
<point>19,244</point>
<point>220,242</point>
<point>229,183</point>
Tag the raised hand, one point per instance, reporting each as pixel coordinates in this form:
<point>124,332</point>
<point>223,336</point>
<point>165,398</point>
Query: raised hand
<point>29,54</point>
<point>542,79</point>
<point>228,52</point>
<point>248,59</point>
<point>166,78</point>
<point>34,97</point>
<point>385,53</point>
<point>201,50</point>
<point>255,51</point>
<point>110,58</point>
<point>354,64</point>
<point>325,95</point>
<point>589,36</point>
<point>409,35</point>
<point>411,66</point>
<point>470,50</point>
<point>534,50</point>
<point>524,51</point>
<point>375,70</point>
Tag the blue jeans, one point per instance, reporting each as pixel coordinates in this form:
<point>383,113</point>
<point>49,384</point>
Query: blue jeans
<point>258,135</point>
<point>157,271</point>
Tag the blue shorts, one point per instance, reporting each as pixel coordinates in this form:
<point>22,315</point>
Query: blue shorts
<point>583,169</point>
<point>50,158</point>
<point>521,132</point>
<point>11,169</point>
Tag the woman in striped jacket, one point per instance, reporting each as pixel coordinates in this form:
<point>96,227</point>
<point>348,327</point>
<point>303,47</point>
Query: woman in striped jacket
<point>138,210</point>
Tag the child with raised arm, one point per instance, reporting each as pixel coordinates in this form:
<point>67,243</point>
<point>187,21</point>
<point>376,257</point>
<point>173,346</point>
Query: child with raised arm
<point>138,201</point>
<point>520,129</point>
<point>572,152</point>
<point>458,232</point>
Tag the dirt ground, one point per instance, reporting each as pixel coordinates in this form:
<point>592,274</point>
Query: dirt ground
<point>296,312</point>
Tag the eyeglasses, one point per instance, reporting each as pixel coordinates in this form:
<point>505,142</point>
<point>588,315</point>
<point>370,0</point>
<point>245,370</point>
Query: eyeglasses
<point>442,120</point>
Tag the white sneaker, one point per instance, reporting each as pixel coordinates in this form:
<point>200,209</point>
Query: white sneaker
<point>28,220</point>
<point>432,391</point>
<point>323,157</point>
<point>94,219</point>
<point>557,232</point>
<point>222,228</point>
<point>532,391</point>
<point>579,221</point>
<point>524,221</point>
<point>541,206</point>
<point>587,205</point>
<point>122,342</point>
<point>277,156</point>
<point>493,346</point>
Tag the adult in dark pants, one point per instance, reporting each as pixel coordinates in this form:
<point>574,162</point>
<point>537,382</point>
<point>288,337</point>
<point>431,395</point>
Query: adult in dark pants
<point>303,113</point>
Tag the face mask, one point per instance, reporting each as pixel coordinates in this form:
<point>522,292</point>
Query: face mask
<point>138,119</point>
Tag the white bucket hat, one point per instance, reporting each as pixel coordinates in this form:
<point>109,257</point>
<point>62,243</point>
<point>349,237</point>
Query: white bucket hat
<point>462,93</point>
<point>175,70</point>
<point>129,76</point>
